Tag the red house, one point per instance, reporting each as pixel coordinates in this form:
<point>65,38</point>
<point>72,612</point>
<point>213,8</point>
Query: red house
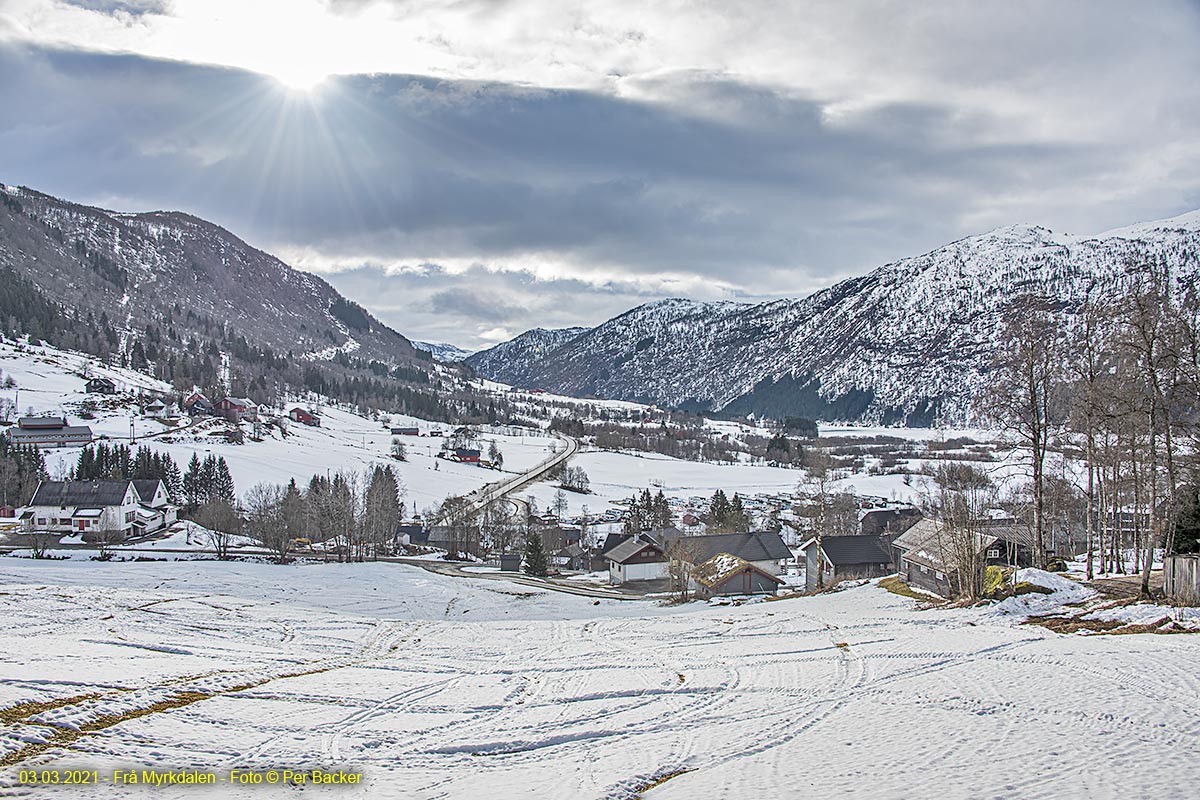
<point>238,408</point>
<point>466,455</point>
<point>304,417</point>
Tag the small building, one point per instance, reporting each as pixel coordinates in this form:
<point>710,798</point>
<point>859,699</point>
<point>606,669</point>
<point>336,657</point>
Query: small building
<point>724,575</point>
<point>100,386</point>
<point>406,430</point>
<point>304,417</point>
<point>844,557</point>
<point>466,455</point>
<point>195,403</point>
<point>572,557</point>
<point>48,432</point>
<point>155,409</point>
<point>7,512</point>
<point>1181,578</point>
<point>927,560</point>
<point>238,408</point>
<point>411,533</point>
<point>510,562</point>
<point>635,560</point>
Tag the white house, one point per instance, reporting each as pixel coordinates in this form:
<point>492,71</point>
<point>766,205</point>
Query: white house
<point>132,508</point>
<point>636,560</point>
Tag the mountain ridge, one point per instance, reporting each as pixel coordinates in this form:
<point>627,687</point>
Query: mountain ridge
<point>909,342</point>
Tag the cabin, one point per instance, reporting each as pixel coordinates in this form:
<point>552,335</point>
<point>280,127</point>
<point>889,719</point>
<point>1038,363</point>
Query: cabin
<point>406,430</point>
<point>841,558</point>
<point>49,432</point>
<point>238,409</point>
<point>726,575</point>
<point>637,559</point>
<point>926,553</point>
<point>466,455</point>
<point>304,417</point>
<point>100,386</point>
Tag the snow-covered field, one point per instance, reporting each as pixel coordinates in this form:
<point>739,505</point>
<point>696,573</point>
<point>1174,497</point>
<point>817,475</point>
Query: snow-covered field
<point>616,476</point>
<point>440,687</point>
<point>50,381</point>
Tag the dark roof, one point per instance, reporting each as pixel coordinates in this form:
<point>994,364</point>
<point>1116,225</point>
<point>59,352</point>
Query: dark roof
<point>101,382</point>
<point>626,550</point>
<point>754,546</point>
<point>79,493</point>
<point>723,566</point>
<point>35,435</point>
<point>146,488</point>
<point>844,550</point>
<point>612,540</point>
<point>31,423</point>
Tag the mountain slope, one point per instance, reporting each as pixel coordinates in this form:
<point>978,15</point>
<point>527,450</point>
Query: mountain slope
<point>514,361</point>
<point>910,342</point>
<point>190,302</point>
<point>442,351</point>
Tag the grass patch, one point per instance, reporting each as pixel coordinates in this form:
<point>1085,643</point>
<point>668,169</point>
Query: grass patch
<point>1068,624</point>
<point>23,711</point>
<point>642,788</point>
<point>896,585</point>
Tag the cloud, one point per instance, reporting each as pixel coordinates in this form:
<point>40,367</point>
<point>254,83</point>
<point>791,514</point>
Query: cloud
<point>606,154</point>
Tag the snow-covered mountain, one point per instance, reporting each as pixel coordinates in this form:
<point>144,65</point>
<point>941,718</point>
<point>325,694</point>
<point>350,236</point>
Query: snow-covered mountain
<point>183,298</point>
<point>909,342</point>
<point>517,361</point>
<point>442,351</point>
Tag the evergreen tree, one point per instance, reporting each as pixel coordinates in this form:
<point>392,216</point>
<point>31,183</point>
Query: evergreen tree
<point>536,562</point>
<point>738,519</point>
<point>719,509</point>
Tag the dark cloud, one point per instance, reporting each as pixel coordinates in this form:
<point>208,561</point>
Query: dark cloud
<point>117,8</point>
<point>726,189</point>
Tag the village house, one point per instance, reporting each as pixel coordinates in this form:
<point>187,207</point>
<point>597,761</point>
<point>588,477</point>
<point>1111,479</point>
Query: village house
<point>764,549</point>
<point>724,575</point>
<point>155,409</point>
<point>89,508</point>
<point>238,408</point>
<point>466,455</point>
<point>636,559</point>
<point>406,430</point>
<point>100,386</point>
<point>304,417</point>
<point>48,432</point>
<point>195,403</point>
<point>844,557</point>
<point>927,558</point>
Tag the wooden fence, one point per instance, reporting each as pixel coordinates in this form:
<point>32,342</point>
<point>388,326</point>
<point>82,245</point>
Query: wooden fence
<point>1181,579</point>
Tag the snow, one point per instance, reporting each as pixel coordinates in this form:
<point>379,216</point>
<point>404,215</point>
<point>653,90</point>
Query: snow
<point>50,380</point>
<point>1064,591</point>
<point>441,687</point>
<point>617,476</point>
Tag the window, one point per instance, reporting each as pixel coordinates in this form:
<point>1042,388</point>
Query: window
<point>41,520</point>
<point>993,552</point>
<point>129,516</point>
<point>924,570</point>
<point>941,576</point>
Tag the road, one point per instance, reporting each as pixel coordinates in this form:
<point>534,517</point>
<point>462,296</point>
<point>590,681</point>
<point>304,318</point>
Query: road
<point>494,491</point>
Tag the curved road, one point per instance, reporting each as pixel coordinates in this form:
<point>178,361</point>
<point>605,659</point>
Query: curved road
<point>494,491</point>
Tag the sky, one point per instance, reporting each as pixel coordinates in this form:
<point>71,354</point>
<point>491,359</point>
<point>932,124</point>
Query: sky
<point>470,169</point>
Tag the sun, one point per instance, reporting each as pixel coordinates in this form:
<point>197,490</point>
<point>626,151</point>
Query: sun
<point>299,77</point>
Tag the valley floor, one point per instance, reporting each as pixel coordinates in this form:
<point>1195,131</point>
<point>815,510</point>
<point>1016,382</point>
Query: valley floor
<point>442,687</point>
